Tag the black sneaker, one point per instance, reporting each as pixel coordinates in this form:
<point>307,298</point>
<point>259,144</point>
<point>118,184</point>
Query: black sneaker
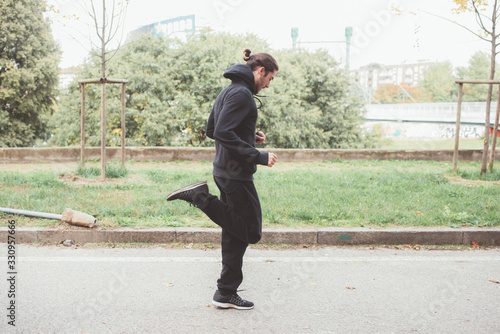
<point>195,193</point>
<point>231,301</point>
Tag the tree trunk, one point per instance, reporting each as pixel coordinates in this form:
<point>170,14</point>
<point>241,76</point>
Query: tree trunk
<point>103,93</point>
<point>484,162</point>
<point>495,128</point>
<point>495,134</point>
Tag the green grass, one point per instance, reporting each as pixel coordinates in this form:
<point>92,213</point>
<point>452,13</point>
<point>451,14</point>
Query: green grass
<point>473,172</point>
<point>112,171</point>
<point>340,194</point>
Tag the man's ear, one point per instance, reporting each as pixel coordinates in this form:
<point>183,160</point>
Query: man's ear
<point>262,71</point>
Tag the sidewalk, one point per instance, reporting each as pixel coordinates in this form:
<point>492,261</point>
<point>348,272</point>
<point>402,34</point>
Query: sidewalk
<point>322,236</point>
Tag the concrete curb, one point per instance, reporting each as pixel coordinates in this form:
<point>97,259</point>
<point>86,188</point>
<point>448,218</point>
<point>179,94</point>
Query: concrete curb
<point>321,236</point>
<point>72,154</point>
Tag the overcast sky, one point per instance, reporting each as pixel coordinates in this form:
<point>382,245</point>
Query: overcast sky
<point>379,35</point>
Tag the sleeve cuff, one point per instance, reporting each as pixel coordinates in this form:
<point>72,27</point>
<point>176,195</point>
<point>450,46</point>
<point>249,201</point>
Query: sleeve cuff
<point>263,158</point>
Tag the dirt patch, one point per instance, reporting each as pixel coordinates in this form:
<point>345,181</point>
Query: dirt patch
<point>30,167</point>
<point>76,180</point>
<point>68,167</point>
<point>466,182</point>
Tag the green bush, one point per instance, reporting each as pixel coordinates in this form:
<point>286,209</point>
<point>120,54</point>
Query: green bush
<point>172,86</point>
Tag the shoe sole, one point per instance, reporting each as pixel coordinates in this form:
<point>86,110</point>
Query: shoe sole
<point>186,188</point>
<point>229,305</point>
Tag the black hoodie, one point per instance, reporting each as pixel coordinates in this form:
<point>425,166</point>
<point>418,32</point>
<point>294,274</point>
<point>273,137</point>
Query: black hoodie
<point>232,124</point>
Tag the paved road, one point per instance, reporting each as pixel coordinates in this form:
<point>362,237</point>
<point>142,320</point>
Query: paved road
<point>320,290</point>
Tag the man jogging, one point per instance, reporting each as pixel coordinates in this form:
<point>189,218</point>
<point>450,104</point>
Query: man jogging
<point>232,124</point>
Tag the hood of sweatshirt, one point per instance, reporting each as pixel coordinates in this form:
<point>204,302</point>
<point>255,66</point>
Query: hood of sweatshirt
<point>243,74</point>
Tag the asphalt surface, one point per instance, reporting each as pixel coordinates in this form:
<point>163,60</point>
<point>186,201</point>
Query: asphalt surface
<point>315,290</point>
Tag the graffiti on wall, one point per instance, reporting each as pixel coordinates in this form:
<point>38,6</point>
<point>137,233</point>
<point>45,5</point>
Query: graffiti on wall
<point>468,132</point>
<point>403,130</point>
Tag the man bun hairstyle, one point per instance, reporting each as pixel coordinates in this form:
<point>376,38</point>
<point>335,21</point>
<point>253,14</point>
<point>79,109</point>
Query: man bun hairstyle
<point>247,54</point>
<point>261,59</point>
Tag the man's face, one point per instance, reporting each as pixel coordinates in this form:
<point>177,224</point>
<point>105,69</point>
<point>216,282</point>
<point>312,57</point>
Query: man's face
<point>261,79</point>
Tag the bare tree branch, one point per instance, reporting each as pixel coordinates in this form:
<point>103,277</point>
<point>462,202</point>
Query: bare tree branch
<point>479,20</point>
<point>458,24</point>
<point>93,16</point>
<point>115,29</point>
<point>106,33</point>
<point>112,19</point>
<point>104,15</point>
<point>497,7</point>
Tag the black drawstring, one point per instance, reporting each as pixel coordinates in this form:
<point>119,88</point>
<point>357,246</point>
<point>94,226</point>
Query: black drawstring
<point>257,98</point>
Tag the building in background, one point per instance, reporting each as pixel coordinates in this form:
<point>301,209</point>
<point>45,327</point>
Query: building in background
<point>370,77</point>
<point>66,76</point>
<point>170,27</point>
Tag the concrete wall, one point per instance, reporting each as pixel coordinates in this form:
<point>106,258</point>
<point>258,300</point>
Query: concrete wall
<point>69,154</point>
<point>427,120</point>
<point>423,131</point>
<point>472,112</point>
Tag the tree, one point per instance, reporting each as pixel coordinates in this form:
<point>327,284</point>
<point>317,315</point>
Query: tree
<point>144,63</point>
<point>311,104</point>
<point>402,93</point>
<point>28,73</point>
<point>387,93</point>
<point>173,85</point>
<point>438,83</point>
<point>478,68</point>
<point>106,29</point>
<point>487,16</point>
<point>197,68</point>
<point>107,26</point>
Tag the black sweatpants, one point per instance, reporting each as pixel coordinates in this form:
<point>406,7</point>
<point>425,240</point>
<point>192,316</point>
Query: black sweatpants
<point>239,214</point>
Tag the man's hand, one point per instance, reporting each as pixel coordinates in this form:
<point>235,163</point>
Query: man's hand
<point>260,137</point>
<point>272,159</point>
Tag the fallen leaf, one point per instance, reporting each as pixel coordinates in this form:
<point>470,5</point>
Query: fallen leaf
<point>208,305</point>
<point>420,213</point>
<point>475,244</point>
<point>350,288</point>
<point>168,284</point>
<point>493,281</point>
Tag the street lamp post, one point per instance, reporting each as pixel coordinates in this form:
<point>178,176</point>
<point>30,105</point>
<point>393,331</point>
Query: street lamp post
<point>295,34</point>
<point>348,35</point>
